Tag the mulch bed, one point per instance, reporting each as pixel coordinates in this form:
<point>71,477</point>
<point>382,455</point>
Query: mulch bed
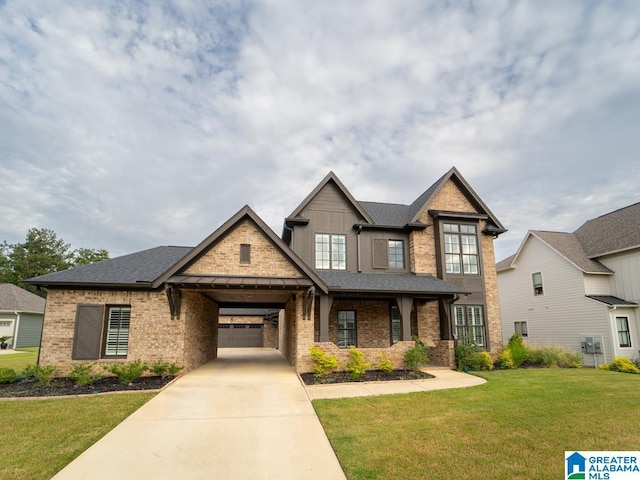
<point>369,376</point>
<point>65,386</point>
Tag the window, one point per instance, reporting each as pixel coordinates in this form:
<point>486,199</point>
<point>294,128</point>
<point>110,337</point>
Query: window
<point>5,323</point>
<point>461,249</point>
<point>395,324</point>
<point>521,328</point>
<point>388,253</point>
<point>117,332</point>
<point>245,253</point>
<point>537,283</point>
<point>396,254</point>
<point>101,331</point>
<point>346,328</point>
<point>469,321</point>
<point>331,251</point>
<point>624,338</point>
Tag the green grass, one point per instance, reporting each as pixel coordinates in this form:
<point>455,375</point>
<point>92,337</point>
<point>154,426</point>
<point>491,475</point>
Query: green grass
<point>18,361</point>
<point>518,425</point>
<point>39,437</point>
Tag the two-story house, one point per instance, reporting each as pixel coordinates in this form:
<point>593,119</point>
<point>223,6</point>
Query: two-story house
<point>579,290</point>
<point>344,273</point>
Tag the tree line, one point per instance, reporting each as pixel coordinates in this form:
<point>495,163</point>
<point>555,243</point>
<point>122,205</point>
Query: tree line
<point>42,252</point>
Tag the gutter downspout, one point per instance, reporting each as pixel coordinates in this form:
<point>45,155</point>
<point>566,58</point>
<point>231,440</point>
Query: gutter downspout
<point>15,330</point>
<point>359,231</point>
<point>614,335</point>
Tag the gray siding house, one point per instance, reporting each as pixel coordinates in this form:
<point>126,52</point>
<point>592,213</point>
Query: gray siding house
<point>577,290</point>
<point>21,316</point>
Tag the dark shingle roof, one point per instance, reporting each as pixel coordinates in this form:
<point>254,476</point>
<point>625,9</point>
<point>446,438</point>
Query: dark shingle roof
<point>16,299</point>
<point>610,300</point>
<point>388,214</point>
<point>571,248</point>
<point>612,232</point>
<point>383,283</point>
<point>133,269</point>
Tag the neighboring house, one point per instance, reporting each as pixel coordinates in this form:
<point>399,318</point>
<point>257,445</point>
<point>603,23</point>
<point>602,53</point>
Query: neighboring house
<point>21,316</point>
<point>579,290</point>
<point>345,273</point>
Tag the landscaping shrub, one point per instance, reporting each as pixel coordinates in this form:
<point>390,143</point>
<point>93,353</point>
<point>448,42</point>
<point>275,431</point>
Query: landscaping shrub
<point>127,372</point>
<point>82,374</point>
<point>323,362</point>
<point>548,357</point>
<point>621,364</point>
<point>164,369</point>
<point>358,365</point>
<point>467,356</point>
<point>7,375</point>
<point>505,360</point>
<point>485,361</point>
<point>385,364</point>
<point>42,373</point>
<point>416,357</point>
<point>519,351</point>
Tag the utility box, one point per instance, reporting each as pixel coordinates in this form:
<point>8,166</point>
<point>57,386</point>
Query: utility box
<point>591,345</point>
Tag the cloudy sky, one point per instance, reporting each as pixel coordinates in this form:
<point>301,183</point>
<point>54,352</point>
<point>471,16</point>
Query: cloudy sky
<point>127,125</point>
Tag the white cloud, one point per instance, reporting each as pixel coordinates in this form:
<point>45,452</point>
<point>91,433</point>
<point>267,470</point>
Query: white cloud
<point>131,125</point>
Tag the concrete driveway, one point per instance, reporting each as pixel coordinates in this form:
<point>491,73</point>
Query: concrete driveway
<point>243,416</point>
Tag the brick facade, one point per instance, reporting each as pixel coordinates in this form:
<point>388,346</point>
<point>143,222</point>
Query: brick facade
<point>223,258</point>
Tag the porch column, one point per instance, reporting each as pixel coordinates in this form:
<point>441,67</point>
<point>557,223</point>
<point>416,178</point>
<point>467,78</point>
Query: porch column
<point>446,328</point>
<point>325,308</point>
<point>404,305</point>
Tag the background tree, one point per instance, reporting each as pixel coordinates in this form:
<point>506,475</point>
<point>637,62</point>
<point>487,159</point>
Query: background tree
<point>42,252</point>
<point>86,256</point>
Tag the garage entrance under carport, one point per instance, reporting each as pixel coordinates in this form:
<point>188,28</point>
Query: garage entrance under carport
<point>201,299</point>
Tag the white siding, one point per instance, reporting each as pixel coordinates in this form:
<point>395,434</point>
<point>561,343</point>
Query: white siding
<point>626,281</point>
<point>631,314</point>
<point>596,284</point>
<point>562,316</point>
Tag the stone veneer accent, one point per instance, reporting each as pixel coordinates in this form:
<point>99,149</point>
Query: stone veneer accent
<point>223,258</point>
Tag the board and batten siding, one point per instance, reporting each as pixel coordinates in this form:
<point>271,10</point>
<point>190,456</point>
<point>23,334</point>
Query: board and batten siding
<point>329,212</point>
<point>626,281</point>
<point>562,316</point>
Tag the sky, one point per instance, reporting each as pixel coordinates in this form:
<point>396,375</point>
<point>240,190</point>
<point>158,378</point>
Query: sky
<point>132,124</point>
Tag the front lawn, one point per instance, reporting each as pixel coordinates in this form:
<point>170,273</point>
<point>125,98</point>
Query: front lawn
<point>39,437</point>
<point>517,425</point>
<point>18,361</point>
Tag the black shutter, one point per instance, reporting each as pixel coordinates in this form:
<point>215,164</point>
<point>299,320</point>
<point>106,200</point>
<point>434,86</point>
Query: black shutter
<point>88,332</point>
<point>380,253</point>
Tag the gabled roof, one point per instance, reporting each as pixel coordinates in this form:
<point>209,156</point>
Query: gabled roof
<point>423,201</point>
<point>245,213</point>
<point>388,283</point>
<point>396,215</point>
<point>616,231</point>
<point>138,270</point>
<point>16,299</point>
<point>565,244</point>
<point>331,178</point>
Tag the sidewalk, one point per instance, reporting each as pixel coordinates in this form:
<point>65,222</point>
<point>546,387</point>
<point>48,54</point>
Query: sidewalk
<point>444,378</point>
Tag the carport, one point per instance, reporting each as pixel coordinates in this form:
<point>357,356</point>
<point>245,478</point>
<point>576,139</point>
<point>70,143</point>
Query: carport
<point>289,296</point>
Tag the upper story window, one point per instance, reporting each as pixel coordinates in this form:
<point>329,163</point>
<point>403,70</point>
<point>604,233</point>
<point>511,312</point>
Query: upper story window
<point>461,249</point>
<point>331,251</point>
<point>396,254</point>
<point>388,253</point>
<point>537,283</point>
